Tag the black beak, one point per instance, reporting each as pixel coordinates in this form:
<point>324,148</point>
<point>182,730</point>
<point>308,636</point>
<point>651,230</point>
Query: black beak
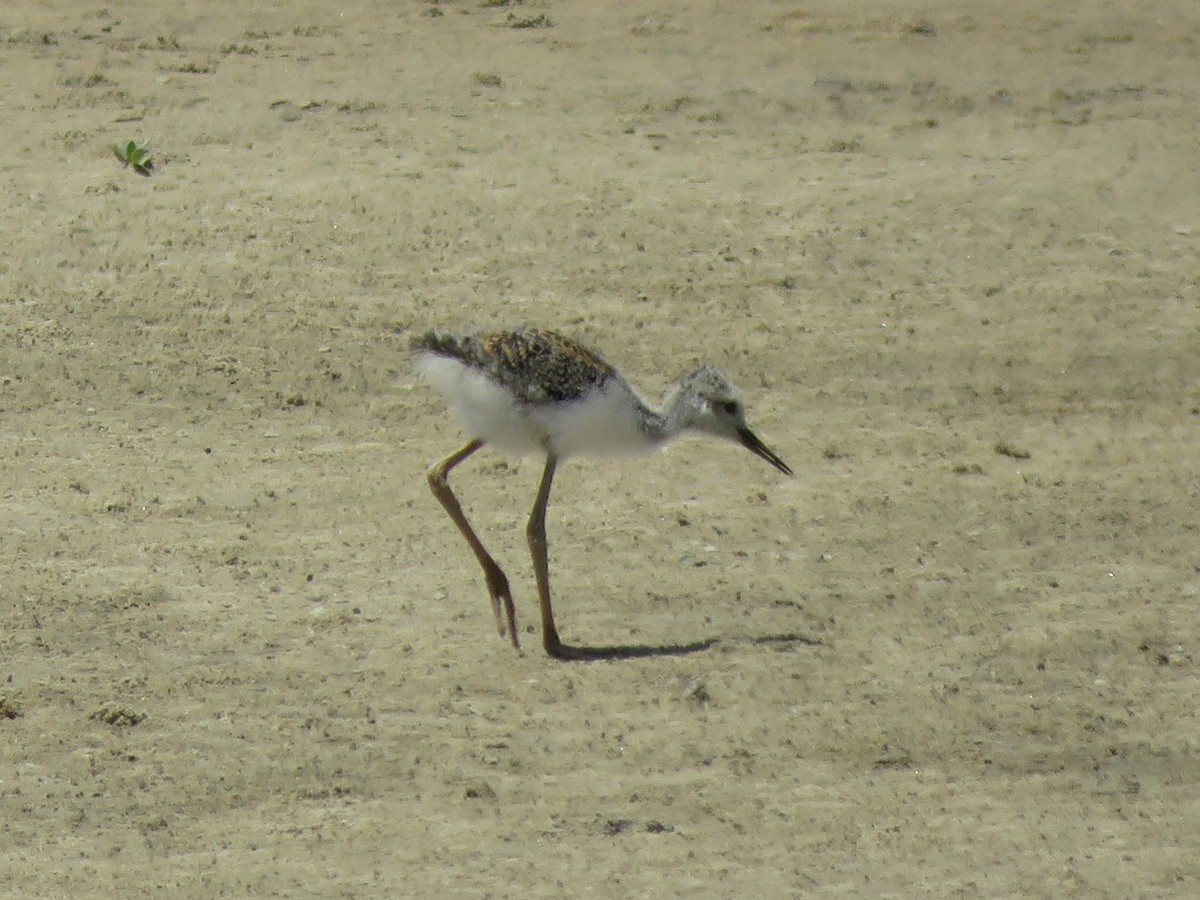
<point>751,442</point>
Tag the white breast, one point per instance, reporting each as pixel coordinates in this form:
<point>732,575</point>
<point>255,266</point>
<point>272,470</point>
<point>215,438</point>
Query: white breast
<point>604,423</point>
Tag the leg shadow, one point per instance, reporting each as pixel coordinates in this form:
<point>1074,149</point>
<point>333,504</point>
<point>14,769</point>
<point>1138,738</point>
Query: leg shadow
<point>568,653</point>
<point>788,639</point>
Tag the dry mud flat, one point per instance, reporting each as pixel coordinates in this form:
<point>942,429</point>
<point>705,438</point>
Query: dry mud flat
<point>948,250</point>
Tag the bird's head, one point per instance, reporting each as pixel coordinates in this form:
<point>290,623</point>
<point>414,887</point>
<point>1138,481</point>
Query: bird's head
<point>708,401</point>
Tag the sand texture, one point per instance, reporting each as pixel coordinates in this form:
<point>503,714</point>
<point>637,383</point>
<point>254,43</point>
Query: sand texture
<point>947,250</point>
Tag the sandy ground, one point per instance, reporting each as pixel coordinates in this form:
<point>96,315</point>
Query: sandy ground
<point>948,250</point>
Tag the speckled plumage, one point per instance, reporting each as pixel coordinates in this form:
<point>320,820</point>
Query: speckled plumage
<point>537,366</point>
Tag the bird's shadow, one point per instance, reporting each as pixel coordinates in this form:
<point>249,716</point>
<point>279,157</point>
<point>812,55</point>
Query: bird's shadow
<point>572,653</point>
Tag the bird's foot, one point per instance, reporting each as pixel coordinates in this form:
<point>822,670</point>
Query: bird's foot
<point>506,621</point>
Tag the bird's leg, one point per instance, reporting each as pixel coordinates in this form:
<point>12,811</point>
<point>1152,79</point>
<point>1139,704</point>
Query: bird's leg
<point>535,531</point>
<point>497,583</point>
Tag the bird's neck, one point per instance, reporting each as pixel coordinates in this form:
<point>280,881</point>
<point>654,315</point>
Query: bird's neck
<point>662,424</point>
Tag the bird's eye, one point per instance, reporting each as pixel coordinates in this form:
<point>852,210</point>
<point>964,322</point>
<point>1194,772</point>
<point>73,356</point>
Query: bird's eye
<point>729,407</point>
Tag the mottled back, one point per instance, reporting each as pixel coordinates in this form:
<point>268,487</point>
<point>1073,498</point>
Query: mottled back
<point>537,366</point>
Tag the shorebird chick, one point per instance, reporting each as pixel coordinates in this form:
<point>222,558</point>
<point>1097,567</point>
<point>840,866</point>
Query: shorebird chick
<point>533,391</point>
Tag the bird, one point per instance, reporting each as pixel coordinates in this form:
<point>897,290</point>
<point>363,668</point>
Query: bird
<point>535,391</point>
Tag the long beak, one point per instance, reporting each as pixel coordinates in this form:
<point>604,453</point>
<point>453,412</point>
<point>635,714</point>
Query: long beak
<point>751,442</point>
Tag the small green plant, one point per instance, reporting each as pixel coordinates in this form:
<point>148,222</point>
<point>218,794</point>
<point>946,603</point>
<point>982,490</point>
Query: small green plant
<point>134,154</point>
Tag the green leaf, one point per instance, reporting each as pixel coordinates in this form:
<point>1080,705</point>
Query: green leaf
<point>131,154</point>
